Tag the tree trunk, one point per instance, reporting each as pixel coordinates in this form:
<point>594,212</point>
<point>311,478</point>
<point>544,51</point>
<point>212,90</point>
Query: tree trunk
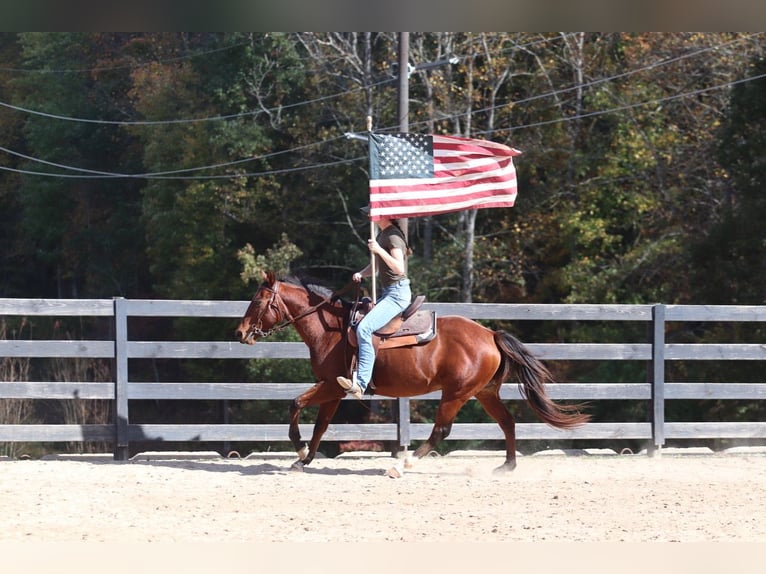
<point>469,227</point>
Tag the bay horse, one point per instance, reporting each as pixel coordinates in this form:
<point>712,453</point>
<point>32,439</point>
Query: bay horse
<point>464,360</point>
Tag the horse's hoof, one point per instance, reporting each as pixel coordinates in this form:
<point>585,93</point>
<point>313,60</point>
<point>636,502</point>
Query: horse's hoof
<point>297,466</point>
<point>303,453</point>
<point>394,472</point>
<point>505,469</point>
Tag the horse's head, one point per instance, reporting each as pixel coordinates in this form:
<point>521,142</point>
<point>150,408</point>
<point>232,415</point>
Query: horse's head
<point>264,312</point>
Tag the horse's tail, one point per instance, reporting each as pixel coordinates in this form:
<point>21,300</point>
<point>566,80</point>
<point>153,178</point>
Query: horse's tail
<point>532,375</point>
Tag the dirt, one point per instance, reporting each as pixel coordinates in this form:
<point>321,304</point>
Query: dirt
<point>454,498</point>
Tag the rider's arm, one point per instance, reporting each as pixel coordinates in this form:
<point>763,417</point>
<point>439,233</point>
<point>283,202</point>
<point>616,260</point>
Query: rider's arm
<point>394,260</point>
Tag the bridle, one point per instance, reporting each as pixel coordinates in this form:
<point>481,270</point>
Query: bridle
<point>284,318</point>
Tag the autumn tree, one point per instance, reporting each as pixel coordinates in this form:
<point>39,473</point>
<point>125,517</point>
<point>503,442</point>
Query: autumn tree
<point>83,227</point>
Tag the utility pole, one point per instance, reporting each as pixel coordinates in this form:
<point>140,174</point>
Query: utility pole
<point>404,94</point>
<point>402,411</point>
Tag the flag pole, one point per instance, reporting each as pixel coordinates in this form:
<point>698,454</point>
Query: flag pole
<point>372,234</point>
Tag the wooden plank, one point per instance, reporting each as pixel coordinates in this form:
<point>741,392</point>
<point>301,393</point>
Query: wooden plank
<point>716,313</point>
<point>592,351</point>
<point>587,391</point>
<point>57,307</point>
<point>715,430</point>
<point>715,352</point>
<point>380,431</point>
<point>502,311</point>
<point>185,308</point>
<point>215,350</point>
<point>216,391</point>
<point>539,431</point>
<point>83,349</point>
<point>566,391</point>
<point>543,312</point>
<point>56,390</point>
<point>56,433</point>
<point>723,391</point>
<point>266,350</point>
<point>289,391</point>
<point>255,433</point>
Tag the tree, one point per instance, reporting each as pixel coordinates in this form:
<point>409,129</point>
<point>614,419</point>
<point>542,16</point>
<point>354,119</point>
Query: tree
<point>14,276</point>
<point>83,231</point>
<point>729,262</point>
<point>196,222</point>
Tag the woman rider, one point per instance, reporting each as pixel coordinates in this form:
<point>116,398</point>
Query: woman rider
<point>390,251</point>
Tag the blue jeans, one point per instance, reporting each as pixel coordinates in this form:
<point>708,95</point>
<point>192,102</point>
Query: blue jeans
<point>393,300</point>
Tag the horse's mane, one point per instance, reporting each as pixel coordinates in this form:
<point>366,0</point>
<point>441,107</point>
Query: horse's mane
<point>314,287</point>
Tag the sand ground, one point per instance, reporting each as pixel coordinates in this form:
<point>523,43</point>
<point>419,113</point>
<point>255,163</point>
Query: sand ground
<point>454,498</point>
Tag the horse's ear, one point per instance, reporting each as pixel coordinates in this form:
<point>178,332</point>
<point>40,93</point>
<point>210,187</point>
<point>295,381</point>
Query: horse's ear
<point>269,277</point>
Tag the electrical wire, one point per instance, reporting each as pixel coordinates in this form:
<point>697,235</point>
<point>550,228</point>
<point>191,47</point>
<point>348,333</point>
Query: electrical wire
<point>219,117</point>
<point>125,67</point>
<point>166,174</point>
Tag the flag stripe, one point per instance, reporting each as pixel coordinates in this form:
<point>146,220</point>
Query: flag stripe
<point>463,174</point>
<point>415,188</point>
<point>421,210</point>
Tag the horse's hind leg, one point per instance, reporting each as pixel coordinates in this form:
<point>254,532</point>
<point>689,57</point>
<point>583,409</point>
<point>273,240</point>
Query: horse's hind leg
<point>445,415</point>
<point>489,398</point>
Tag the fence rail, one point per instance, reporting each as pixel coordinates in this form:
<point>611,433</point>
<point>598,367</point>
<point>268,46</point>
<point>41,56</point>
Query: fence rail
<point>655,352</point>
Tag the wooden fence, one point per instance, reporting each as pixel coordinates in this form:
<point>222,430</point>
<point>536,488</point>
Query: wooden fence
<point>654,351</point>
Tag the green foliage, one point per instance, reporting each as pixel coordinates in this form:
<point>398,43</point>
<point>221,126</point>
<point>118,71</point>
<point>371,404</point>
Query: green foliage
<point>641,179</point>
<point>730,261</point>
<point>73,228</point>
<point>277,259</point>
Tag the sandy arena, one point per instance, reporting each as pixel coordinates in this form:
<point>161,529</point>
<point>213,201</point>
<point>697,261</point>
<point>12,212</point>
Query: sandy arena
<point>455,498</point>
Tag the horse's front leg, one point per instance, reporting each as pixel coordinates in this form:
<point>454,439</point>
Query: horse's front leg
<point>328,404</point>
<point>295,432</point>
<point>324,416</point>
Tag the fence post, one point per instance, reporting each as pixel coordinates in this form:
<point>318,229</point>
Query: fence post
<point>121,379</point>
<point>658,380</point>
<point>403,423</point>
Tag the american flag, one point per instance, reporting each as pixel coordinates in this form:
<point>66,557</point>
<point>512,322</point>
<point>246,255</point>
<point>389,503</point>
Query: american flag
<point>415,174</point>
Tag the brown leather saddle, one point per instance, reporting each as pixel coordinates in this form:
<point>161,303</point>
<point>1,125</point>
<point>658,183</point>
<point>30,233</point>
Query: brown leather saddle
<point>413,326</point>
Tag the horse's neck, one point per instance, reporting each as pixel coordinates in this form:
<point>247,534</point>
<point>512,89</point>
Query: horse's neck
<point>313,327</point>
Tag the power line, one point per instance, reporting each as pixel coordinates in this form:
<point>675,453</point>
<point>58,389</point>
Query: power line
<point>97,174</point>
<point>174,178</point>
<point>226,116</point>
<point>168,174</point>
<point>179,121</point>
<point>125,67</point>
<point>360,88</point>
<point>638,105</point>
<point>556,93</point>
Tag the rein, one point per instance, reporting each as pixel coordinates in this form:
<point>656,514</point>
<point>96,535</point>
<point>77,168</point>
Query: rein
<point>281,324</point>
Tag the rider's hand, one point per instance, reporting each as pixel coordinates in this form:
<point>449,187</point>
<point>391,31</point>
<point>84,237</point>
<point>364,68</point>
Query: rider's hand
<point>357,277</point>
